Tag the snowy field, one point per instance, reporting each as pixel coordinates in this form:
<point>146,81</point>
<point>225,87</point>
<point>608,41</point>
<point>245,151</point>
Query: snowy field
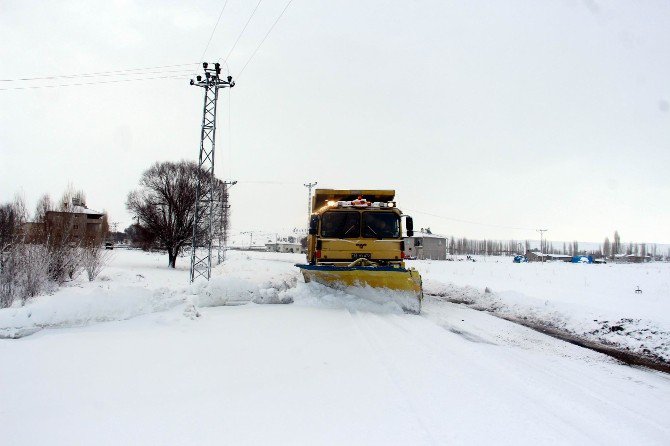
<point>595,302</point>
<point>173,364</point>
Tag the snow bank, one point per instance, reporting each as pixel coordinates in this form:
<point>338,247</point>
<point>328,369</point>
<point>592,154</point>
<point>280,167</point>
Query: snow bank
<point>74,306</point>
<point>133,286</point>
<point>594,302</point>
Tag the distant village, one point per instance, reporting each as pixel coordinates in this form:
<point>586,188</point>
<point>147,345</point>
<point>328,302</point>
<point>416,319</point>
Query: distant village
<point>425,245</point>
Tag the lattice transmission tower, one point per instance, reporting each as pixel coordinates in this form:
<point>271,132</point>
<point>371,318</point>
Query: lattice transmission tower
<point>207,192</point>
<point>223,220</point>
<point>309,187</point>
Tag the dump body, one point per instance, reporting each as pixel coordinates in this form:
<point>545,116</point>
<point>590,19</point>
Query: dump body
<point>356,240</point>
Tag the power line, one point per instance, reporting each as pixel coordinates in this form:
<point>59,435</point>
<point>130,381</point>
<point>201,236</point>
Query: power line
<point>265,37</point>
<point>28,87</point>
<point>243,29</point>
<point>470,221</point>
<point>214,30</point>
<point>292,183</point>
<point>130,71</point>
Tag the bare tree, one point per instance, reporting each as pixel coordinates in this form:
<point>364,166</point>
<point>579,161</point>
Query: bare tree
<point>165,204</point>
<point>23,266</point>
<point>94,259</point>
<point>44,205</point>
<point>140,237</point>
<point>10,223</point>
<point>71,197</point>
<point>616,245</point>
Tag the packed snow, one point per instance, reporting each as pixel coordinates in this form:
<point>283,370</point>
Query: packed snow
<point>219,363</point>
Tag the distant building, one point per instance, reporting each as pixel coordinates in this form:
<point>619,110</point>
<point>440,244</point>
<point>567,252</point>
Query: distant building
<point>632,258</point>
<point>535,256</point>
<point>78,223</point>
<point>424,246</point>
<point>285,247</point>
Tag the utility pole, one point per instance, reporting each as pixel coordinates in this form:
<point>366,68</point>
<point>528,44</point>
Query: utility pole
<point>224,220</point>
<point>542,231</point>
<point>203,223</point>
<point>309,187</point>
<point>251,237</point>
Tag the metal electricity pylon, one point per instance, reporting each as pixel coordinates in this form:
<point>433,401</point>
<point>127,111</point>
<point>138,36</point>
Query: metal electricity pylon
<point>205,197</point>
<point>542,231</point>
<point>309,187</point>
<point>251,237</point>
<point>224,220</point>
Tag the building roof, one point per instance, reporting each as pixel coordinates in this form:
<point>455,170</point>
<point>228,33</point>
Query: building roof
<point>80,210</point>
<point>84,210</point>
<point>425,235</point>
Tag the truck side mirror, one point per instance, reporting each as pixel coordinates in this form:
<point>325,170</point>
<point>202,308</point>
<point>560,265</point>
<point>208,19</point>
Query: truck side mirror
<point>410,226</point>
<point>313,225</point>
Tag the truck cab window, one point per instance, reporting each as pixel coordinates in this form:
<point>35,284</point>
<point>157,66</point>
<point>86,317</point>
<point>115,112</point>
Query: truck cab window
<point>381,225</point>
<point>340,224</point>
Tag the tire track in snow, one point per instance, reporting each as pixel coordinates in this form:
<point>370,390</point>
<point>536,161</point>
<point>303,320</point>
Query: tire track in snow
<point>561,378</point>
<point>562,425</point>
<point>391,371</point>
<point>591,389</point>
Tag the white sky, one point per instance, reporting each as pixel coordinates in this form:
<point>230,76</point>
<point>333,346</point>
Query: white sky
<point>525,114</point>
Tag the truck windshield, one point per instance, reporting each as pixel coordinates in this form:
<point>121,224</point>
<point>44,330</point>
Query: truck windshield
<point>341,224</point>
<point>381,225</point>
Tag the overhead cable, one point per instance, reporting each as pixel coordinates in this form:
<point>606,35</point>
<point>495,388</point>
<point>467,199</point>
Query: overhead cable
<point>470,221</point>
<point>264,37</point>
<point>214,30</point>
<point>243,29</point>
<point>130,71</point>
<point>27,87</point>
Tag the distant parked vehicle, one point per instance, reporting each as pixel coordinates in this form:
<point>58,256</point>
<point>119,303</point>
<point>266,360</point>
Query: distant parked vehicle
<point>109,245</point>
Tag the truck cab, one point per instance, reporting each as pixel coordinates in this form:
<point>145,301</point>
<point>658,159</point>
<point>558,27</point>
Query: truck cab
<point>348,225</point>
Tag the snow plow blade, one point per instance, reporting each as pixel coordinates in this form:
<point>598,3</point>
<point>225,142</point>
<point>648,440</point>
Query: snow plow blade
<point>404,284</point>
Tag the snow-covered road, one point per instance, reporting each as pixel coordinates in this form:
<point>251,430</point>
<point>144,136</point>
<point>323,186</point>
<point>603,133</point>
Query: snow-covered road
<point>308,374</point>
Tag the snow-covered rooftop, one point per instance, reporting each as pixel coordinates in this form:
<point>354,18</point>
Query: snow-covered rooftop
<point>84,210</point>
<point>426,235</point>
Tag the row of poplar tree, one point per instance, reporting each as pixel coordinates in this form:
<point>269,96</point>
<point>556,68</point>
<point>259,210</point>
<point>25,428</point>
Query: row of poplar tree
<point>608,249</point>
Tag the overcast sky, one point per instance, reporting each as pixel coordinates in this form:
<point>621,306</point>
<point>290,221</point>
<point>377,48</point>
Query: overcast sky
<point>507,115</point>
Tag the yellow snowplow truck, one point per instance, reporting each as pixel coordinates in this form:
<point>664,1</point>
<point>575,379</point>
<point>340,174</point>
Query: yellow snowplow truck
<point>355,239</point>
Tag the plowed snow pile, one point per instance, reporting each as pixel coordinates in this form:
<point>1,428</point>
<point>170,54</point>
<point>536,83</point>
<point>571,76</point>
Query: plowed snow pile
<point>138,283</point>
